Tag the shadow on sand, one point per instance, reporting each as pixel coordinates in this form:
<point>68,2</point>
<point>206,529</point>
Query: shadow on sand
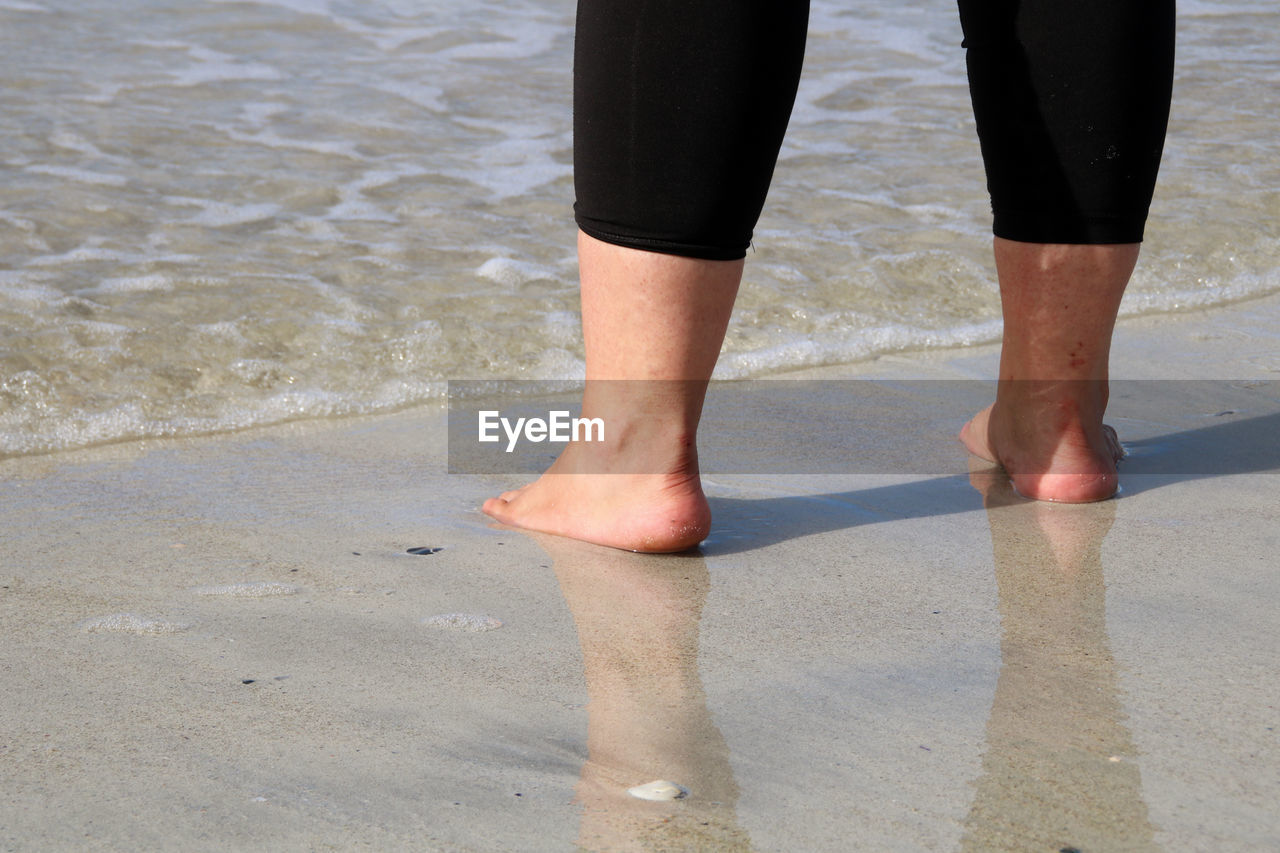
<point>1233,445</point>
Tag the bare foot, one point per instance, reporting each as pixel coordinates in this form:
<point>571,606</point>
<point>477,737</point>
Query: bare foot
<point>1053,449</point>
<point>650,512</point>
<point>652,326</point>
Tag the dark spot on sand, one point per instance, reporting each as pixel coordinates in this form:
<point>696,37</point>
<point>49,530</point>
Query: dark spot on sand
<point>1225,412</point>
<point>248,681</point>
<point>519,794</point>
<point>425,551</point>
<point>1069,850</point>
<point>356,553</point>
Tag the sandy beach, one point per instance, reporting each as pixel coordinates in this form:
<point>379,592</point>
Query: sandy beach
<point>225,643</point>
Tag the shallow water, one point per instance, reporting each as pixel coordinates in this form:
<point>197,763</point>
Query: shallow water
<point>219,214</point>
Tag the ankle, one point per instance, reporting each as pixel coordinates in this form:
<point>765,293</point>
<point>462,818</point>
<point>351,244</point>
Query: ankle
<point>631,446</point>
<point>1064,403</point>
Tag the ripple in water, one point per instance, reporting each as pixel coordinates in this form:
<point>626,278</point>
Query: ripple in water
<point>257,589</point>
<point>473,623</point>
<point>131,623</point>
<point>206,224</point>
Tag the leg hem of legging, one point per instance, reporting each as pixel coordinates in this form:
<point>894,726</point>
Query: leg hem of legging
<point>1032,227</point>
<point>664,247</point>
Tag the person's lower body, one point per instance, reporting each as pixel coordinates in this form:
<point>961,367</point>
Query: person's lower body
<point>679,112</point>
<point>1072,100</point>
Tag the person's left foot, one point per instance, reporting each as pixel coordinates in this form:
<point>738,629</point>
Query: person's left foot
<point>651,512</point>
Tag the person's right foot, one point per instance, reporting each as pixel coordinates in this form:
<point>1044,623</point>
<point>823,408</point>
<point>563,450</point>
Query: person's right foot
<point>1054,449</point>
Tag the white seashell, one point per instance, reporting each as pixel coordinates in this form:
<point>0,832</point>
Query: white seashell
<point>659,791</point>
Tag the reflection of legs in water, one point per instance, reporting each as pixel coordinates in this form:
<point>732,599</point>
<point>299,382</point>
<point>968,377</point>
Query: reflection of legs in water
<point>637,620</point>
<point>1058,771</point>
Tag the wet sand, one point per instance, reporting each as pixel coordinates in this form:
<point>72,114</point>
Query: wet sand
<point>225,643</point>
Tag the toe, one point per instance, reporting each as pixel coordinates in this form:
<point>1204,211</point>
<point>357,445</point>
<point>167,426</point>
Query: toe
<point>1114,447</point>
<point>512,495</point>
<point>973,435</point>
<point>496,507</point>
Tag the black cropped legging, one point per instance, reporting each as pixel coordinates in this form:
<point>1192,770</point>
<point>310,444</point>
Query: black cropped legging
<point>680,107</point>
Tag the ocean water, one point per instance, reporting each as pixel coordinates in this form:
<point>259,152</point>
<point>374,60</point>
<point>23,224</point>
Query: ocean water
<point>223,213</point>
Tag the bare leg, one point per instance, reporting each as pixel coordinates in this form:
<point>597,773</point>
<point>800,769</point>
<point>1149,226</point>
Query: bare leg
<point>645,316</point>
<point>1060,304</point>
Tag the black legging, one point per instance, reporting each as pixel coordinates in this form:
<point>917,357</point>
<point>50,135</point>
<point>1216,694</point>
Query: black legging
<point>680,107</point>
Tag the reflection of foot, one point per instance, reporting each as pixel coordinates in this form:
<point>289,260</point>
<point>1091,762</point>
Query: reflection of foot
<point>647,717</point>
<point>1053,448</point>
<point>649,512</point>
<point>1058,770</point>
<point>1038,534</point>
